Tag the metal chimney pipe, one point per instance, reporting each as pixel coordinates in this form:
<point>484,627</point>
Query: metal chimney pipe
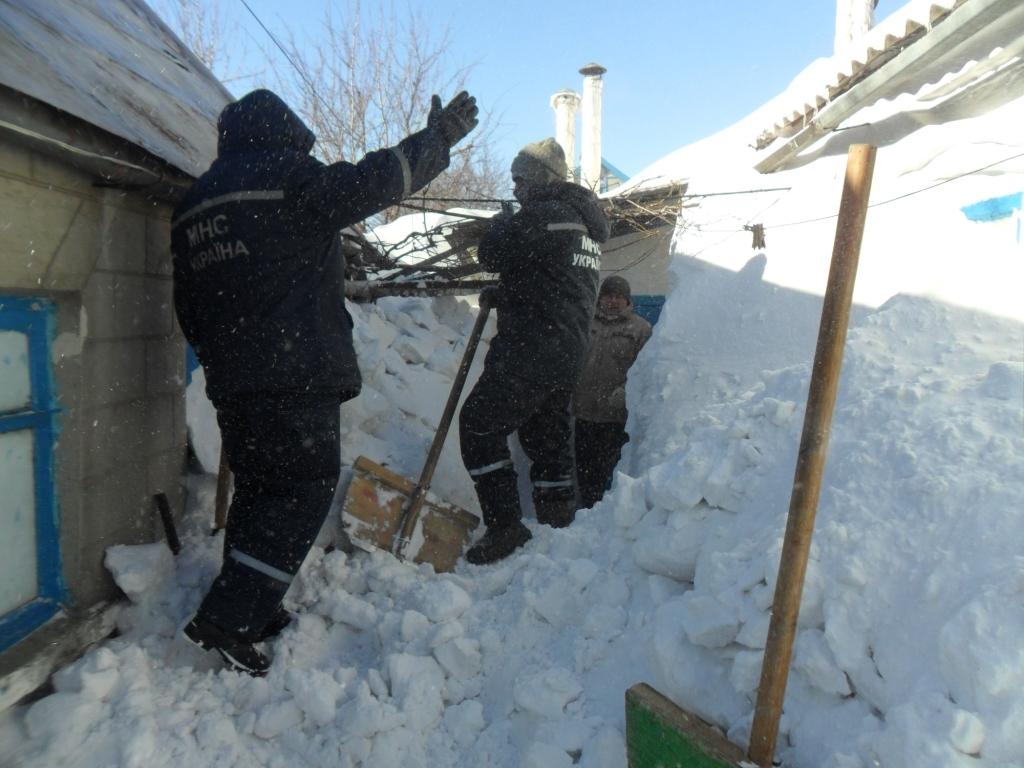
<point>566,103</point>
<point>853,20</point>
<point>590,151</point>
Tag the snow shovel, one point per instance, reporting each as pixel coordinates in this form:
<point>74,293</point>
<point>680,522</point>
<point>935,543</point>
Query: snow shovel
<point>660,733</point>
<point>383,510</point>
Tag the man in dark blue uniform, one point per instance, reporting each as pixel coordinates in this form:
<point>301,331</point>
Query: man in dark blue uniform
<point>548,256</point>
<point>259,292</point>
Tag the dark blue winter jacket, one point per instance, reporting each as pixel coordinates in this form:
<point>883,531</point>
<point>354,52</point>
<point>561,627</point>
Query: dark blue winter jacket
<point>548,256</point>
<point>258,270</point>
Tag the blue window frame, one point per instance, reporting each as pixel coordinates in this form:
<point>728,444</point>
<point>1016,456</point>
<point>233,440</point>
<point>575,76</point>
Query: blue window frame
<point>28,422</point>
<point>648,307</point>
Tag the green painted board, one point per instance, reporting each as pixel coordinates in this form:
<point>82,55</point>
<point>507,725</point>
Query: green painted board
<point>659,734</point>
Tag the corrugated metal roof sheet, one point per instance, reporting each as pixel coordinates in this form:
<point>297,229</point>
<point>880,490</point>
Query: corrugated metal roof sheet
<point>970,55</point>
<point>878,46</point>
<point>114,64</point>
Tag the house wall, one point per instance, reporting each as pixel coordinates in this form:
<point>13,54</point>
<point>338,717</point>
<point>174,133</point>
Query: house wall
<point>102,256</point>
<point>642,259</point>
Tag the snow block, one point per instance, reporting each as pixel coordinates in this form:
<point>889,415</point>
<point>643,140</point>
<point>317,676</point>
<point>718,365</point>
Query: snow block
<point>707,621</point>
<point>673,549</point>
<point>443,601</point>
<point>139,569</point>
<point>460,658</point>
<point>464,722</point>
<point>417,684</point>
<point>1004,381</point>
<point>546,694</point>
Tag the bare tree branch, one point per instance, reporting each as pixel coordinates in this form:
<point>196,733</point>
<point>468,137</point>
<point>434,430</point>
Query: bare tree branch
<point>201,25</point>
<point>366,83</point>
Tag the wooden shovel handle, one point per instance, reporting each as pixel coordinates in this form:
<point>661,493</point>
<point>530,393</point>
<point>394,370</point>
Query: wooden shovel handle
<point>412,510</point>
<point>821,399</point>
<point>220,504</point>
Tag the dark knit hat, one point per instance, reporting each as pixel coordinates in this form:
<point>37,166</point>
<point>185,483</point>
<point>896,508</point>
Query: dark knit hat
<point>616,286</point>
<point>540,162</point>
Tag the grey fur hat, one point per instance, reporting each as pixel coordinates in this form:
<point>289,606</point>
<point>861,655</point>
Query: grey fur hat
<point>540,162</point>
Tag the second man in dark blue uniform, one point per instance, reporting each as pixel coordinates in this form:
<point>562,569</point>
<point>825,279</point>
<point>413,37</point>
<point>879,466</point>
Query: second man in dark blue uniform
<point>548,257</point>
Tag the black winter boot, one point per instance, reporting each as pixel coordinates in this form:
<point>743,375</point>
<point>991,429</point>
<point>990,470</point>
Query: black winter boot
<point>558,513</point>
<point>276,625</point>
<point>499,503</point>
<point>498,543</point>
<point>239,654</point>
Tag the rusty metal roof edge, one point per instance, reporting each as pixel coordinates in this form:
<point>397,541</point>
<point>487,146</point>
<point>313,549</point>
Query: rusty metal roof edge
<point>880,45</point>
<point>896,75</point>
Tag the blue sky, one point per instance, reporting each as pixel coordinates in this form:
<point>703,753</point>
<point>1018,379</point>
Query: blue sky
<point>677,70</point>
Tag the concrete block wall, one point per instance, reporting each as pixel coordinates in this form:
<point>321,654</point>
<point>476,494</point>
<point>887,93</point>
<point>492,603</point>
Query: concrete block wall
<point>103,256</point>
<point>642,259</point>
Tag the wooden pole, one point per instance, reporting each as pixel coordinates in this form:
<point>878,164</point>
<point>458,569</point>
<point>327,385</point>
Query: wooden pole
<point>821,399</point>
<point>412,510</point>
<point>163,506</point>
<point>220,504</point>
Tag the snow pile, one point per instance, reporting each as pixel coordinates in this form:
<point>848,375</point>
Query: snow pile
<point>409,351</point>
<point>915,567</point>
<point>907,653</point>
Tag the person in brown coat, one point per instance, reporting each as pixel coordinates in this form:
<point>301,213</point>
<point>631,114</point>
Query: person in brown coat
<point>616,336</point>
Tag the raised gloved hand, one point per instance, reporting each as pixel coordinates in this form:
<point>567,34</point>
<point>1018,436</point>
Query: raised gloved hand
<point>455,120</point>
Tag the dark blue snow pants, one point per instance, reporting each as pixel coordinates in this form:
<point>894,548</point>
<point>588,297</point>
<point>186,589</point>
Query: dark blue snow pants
<point>284,451</point>
<point>499,405</point>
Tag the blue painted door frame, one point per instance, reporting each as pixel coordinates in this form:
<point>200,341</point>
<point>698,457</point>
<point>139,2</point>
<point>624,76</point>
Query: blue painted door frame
<point>35,318</point>
<point>648,307</point>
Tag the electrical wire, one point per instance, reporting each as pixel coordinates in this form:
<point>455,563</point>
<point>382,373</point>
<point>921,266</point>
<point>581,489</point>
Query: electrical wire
<point>461,199</point>
<point>907,194</point>
<point>643,257</point>
<point>871,205</point>
<point>682,197</point>
<point>737,192</point>
<point>411,206</point>
<point>731,232</point>
<point>298,70</point>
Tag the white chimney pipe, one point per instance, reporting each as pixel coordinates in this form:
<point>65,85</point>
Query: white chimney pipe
<point>566,103</point>
<point>590,150</point>
<point>853,20</point>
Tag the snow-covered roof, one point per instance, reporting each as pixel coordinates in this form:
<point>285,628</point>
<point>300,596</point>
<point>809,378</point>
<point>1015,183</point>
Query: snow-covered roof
<point>878,46</point>
<point>114,64</point>
<point>921,44</point>
<point>417,236</point>
<point>429,243</point>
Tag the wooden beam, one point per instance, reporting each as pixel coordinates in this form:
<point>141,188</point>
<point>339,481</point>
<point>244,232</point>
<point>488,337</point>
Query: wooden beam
<point>367,290</point>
